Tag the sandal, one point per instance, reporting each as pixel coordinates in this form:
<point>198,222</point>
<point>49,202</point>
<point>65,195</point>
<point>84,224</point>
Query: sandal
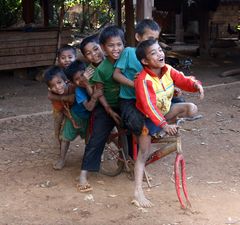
<point>84,187</point>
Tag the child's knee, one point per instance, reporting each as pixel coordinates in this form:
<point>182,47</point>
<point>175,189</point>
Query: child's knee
<point>193,109</point>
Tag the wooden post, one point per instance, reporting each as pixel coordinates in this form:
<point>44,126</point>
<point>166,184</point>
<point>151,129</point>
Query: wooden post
<point>118,13</point>
<point>179,29</point>
<point>46,12</point>
<point>204,32</point>
<point>129,17</point>
<point>143,9</point>
<point>28,11</point>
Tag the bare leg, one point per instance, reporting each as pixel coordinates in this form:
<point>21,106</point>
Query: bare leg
<point>181,110</point>
<point>144,151</point>
<point>63,152</point>
<point>58,120</point>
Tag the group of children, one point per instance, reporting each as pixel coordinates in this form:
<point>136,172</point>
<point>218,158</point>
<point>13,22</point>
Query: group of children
<point>128,85</point>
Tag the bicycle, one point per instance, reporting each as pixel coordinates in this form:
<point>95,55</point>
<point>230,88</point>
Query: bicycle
<point>115,157</point>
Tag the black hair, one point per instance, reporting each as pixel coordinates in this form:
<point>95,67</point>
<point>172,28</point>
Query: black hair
<point>111,31</point>
<point>90,39</point>
<point>73,68</point>
<point>52,72</point>
<point>66,48</point>
<point>146,24</point>
<point>142,48</point>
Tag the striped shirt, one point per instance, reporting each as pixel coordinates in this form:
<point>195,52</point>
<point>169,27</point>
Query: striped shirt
<point>154,92</point>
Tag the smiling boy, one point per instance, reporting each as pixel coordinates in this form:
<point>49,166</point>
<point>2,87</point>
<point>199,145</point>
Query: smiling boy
<point>154,91</point>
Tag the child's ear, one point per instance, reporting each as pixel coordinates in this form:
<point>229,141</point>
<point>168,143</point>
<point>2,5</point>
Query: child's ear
<point>103,49</point>
<point>137,37</point>
<point>144,62</point>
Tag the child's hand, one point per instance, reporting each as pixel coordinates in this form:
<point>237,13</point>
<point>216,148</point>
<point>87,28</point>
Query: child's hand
<point>177,92</point>
<point>97,92</point>
<point>75,125</point>
<point>115,116</point>
<point>200,89</point>
<point>88,73</point>
<point>171,129</point>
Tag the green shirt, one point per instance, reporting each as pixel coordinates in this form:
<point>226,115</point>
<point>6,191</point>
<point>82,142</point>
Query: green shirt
<point>129,66</point>
<point>103,74</point>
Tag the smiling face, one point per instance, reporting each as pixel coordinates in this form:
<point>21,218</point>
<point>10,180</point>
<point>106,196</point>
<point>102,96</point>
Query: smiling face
<point>93,53</point>
<point>66,58</point>
<point>57,85</point>
<point>78,78</point>
<point>113,48</point>
<point>155,57</point>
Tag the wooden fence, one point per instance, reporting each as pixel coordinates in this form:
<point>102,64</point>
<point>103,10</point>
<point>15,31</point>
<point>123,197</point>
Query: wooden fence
<point>19,49</point>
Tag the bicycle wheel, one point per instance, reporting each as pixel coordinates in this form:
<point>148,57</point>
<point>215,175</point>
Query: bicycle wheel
<point>112,161</point>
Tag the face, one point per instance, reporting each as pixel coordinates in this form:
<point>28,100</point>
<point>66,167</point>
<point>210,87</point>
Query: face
<point>148,34</point>
<point>78,78</point>
<point>66,58</point>
<point>57,85</point>
<point>93,53</point>
<point>113,48</point>
<point>155,57</point>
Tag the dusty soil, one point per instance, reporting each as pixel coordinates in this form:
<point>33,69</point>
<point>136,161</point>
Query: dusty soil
<point>33,193</point>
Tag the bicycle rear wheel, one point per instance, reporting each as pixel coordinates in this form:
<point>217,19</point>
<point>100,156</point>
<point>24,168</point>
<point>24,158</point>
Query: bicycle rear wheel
<point>112,161</point>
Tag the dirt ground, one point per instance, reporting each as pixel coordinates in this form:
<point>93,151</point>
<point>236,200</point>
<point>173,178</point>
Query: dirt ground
<point>32,193</point>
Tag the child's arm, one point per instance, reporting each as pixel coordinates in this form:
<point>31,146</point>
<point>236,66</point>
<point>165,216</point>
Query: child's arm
<point>120,78</point>
<point>65,98</point>
<point>68,114</point>
<point>187,83</point>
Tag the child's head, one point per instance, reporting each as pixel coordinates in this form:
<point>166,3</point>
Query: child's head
<point>75,71</point>
<point>91,49</point>
<point>55,79</point>
<point>150,54</point>
<point>146,29</point>
<point>112,42</point>
<point>66,55</point>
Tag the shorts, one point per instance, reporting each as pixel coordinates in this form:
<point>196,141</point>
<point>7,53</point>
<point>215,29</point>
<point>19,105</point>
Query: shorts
<point>132,118</point>
<point>69,133</point>
<point>152,129</point>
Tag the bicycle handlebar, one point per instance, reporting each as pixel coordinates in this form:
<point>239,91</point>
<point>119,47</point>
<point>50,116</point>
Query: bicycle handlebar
<point>162,133</point>
<point>182,120</point>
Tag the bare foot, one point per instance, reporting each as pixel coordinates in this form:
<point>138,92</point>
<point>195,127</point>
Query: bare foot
<point>59,164</point>
<point>141,199</point>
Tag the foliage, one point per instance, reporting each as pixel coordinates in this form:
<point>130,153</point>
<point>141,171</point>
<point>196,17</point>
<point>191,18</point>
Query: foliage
<point>10,12</point>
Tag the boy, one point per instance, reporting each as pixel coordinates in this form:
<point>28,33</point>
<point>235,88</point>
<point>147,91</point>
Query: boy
<point>79,110</point>
<point>93,53</point>
<point>112,42</point>
<point>66,55</point>
<point>154,90</point>
<point>126,69</point>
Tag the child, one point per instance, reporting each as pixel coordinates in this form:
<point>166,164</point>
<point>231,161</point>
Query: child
<point>79,110</point>
<point>66,55</point>
<point>154,90</point>
<point>127,67</point>
<point>92,51</point>
<point>112,42</point>
<point>56,81</point>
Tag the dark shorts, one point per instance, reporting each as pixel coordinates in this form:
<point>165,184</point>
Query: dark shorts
<point>153,130</point>
<point>132,118</point>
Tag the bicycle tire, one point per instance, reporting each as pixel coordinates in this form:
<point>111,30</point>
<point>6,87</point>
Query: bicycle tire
<point>112,161</point>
